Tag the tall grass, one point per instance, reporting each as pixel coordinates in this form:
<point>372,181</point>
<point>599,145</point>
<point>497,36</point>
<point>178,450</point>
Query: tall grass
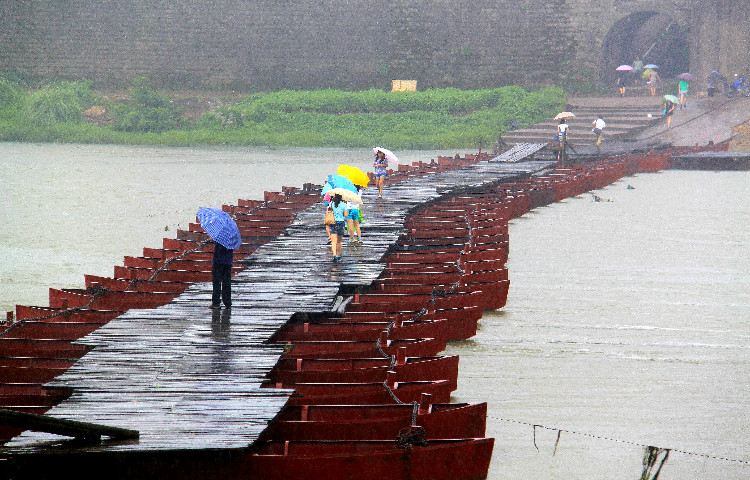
<point>147,110</point>
<point>59,102</point>
<point>437,118</point>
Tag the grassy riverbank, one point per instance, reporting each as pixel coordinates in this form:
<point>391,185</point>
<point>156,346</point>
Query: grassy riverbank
<point>437,118</point>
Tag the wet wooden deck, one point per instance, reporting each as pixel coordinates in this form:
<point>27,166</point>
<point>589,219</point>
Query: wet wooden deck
<point>187,377</point>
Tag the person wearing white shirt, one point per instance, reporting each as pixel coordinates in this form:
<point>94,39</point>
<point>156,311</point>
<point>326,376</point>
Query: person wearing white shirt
<point>598,130</point>
<point>562,135</point>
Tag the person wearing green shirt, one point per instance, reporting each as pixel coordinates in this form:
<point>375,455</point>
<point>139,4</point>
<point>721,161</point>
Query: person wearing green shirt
<point>682,89</point>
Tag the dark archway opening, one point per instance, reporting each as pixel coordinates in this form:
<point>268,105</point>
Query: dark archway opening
<point>653,37</point>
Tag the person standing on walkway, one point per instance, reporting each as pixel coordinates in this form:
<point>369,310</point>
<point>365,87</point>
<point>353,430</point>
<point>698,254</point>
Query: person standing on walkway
<point>338,206</point>
<point>682,90</point>
<point>653,82</point>
<point>669,108</point>
<point>637,68</point>
<point>621,81</point>
<point>562,139</point>
<point>598,130</point>
<point>352,222</point>
<point>328,220</point>
<point>380,168</point>
<point>221,273</point>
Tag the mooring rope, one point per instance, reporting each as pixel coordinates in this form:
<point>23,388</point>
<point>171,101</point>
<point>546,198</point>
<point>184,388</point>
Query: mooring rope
<point>617,440</point>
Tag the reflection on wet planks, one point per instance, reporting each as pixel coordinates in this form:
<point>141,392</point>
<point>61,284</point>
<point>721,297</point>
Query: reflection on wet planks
<point>188,377</point>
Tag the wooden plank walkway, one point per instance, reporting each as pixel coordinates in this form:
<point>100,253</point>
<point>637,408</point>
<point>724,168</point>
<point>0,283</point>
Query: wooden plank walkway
<point>187,377</point>
<point>519,152</point>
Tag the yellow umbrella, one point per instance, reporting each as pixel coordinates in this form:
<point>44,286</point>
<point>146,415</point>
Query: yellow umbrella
<point>357,176</point>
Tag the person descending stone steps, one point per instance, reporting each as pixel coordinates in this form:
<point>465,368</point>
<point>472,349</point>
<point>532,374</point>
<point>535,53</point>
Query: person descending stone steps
<point>598,130</point>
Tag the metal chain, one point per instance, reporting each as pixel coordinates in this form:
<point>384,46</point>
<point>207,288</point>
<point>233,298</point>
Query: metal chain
<point>380,350</point>
<point>169,261</point>
<point>414,412</point>
<point>390,392</point>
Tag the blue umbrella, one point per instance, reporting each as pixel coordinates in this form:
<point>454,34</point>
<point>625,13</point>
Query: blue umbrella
<point>220,226</point>
<point>326,188</point>
<point>340,181</point>
<point>651,65</point>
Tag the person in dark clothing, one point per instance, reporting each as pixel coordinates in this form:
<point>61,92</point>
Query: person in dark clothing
<point>221,269</point>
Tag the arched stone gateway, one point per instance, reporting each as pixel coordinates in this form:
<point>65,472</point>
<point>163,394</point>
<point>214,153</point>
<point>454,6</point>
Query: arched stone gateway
<point>651,36</point>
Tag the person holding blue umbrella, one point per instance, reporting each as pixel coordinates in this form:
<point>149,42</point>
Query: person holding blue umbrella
<point>340,214</point>
<point>223,230</point>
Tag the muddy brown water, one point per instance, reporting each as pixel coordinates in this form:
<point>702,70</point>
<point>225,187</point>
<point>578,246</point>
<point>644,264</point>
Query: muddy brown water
<point>627,319</point>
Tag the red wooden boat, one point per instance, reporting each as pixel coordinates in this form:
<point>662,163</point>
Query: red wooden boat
<point>466,459</point>
<point>351,349</point>
<point>249,238</point>
<point>186,245</point>
<point>421,276</point>
<point>53,329</point>
<point>35,362</point>
<point>394,302</point>
<point>28,374</point>
<point>375,422</point>
<point>365,393</point>
<point>290,371</point>
<point>166,275</point>
<point>109,300</point>
<point>44,348</point>
<point>137,286</point>
<point>182,264</point>
<point>430,256</point>
<point>24,312</point>
<point>474,312</point>
<point>347,329</point>
<point>438,267</point>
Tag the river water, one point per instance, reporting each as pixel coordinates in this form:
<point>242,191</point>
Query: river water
<point>627,319</point>
<point>74,209</point>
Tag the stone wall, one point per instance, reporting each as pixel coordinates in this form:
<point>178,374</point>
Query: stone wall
<point>270,44</point>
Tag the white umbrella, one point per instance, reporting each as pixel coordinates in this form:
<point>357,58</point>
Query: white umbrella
<point>388,154</point>
<point>346,195</point>
<point>564,115</point>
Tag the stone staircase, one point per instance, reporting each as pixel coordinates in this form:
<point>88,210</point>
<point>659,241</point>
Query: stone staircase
<point>624,116</point>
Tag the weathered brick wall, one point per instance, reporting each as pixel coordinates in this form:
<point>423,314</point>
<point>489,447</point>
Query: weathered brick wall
<point>272,43</point>
<point>269,44</point>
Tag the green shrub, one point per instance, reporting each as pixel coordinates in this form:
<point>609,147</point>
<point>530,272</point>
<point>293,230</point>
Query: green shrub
<point>10,93</point>
<point>146,111</point>
<point>225,117</point>
<point>435,118</point>
<point>59,102</point>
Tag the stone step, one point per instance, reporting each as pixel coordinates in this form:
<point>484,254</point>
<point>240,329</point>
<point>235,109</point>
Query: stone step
<point>634,123</point>
<point>574,141</point>
<point>613,111</point>
<point>573,131</point>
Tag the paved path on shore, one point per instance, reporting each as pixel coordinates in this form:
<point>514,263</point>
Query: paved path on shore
<point>705,119</point>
